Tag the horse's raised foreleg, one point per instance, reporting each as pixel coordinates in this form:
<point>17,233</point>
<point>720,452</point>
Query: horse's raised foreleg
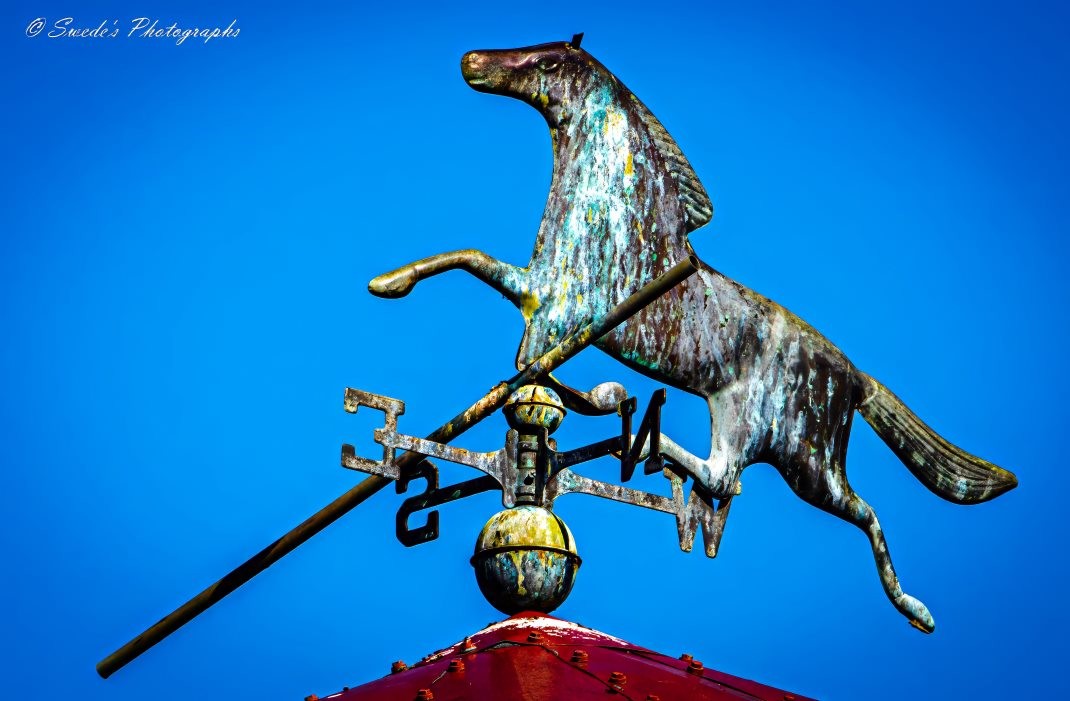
<point>501,276</point>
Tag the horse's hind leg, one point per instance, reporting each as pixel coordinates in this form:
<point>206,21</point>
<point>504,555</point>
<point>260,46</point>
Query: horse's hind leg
<point>734,445</point>
<point>501,276</point>
<point>826,487</point>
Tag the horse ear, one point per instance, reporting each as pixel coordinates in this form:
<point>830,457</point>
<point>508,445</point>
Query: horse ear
<point>576,39</point>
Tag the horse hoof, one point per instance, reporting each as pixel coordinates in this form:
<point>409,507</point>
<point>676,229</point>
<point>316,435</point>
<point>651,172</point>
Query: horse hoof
<point>916,612</point>
<point>397,283</point>
<point>607,396</point>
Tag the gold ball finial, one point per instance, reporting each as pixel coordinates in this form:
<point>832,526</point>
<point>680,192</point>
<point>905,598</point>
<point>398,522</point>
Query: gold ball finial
<point>534,406</point>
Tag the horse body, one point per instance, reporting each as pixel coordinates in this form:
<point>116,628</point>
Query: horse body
<point>622,202</point>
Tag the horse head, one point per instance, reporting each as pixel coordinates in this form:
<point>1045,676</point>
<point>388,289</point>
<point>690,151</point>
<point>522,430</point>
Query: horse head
<point>552,77</point>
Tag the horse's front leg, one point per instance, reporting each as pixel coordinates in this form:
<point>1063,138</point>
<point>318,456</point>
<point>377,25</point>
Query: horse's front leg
<point>501,276</point>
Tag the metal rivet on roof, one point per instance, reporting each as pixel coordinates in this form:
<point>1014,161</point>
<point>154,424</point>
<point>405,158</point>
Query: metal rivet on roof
<point>535,637</point>
<point>456,665</point>
<point>579,658</point>
<point>617,680</point>
<point>685,657</point>
<point>424,695</point>
<point>312,697</point>
<point>694,667</point>
<point>398,666</point>
<point>468,645</point>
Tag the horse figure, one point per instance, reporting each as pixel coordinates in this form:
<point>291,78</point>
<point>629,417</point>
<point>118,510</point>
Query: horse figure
<point>622,203</point>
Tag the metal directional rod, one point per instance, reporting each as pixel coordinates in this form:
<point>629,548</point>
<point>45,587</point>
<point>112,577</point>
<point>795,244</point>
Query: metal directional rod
<point>493,401</point>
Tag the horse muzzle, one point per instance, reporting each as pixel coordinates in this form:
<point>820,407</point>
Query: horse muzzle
<point>475,67</point>
<point>489,71</point>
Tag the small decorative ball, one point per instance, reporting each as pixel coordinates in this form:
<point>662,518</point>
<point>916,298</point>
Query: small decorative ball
<point>534,406</point>
<point>525,560</point>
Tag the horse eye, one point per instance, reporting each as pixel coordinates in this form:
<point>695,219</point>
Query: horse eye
<point>548,64</point>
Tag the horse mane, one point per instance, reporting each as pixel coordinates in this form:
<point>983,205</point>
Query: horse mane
<point>698,209</point>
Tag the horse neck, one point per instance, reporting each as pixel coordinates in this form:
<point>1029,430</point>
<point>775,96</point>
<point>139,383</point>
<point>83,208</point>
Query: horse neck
<point>602,199</point>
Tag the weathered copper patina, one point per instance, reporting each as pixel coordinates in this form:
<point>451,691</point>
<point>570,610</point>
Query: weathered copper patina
<point>525,559</point>
<point>622,202</point>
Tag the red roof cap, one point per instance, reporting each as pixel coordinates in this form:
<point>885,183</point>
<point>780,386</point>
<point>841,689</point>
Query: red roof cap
<point>534,656</point>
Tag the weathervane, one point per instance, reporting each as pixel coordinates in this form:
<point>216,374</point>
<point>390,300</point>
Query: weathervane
<point>612,267</point>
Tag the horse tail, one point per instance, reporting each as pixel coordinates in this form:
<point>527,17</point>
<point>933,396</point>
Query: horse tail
<point>946,470</point>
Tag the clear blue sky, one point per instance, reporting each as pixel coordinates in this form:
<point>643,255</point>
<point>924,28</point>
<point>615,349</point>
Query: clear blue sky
<point>186,233</point>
